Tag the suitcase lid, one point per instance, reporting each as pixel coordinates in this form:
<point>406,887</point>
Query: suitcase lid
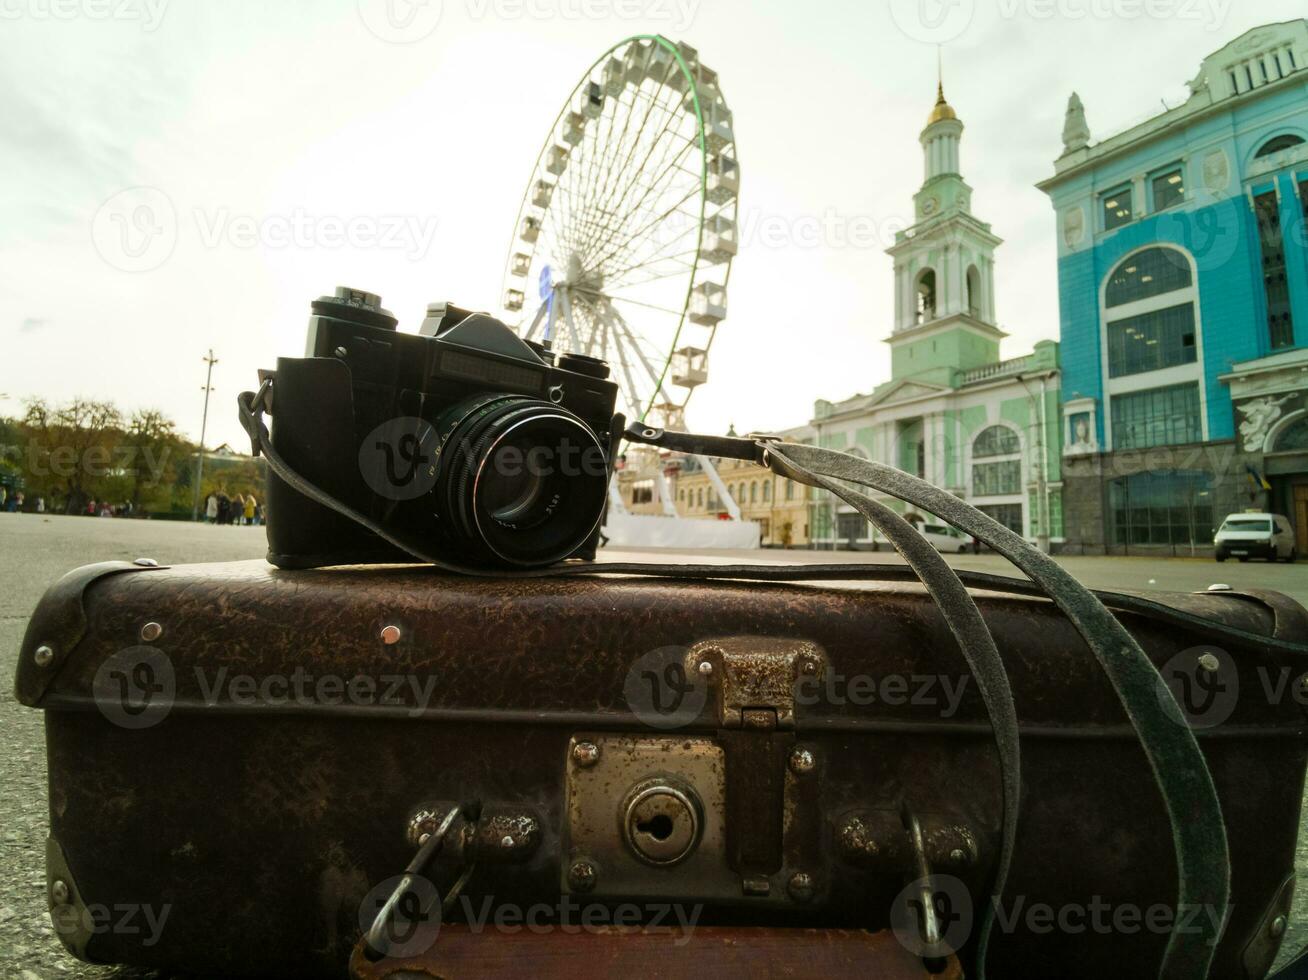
<point>140,641</point>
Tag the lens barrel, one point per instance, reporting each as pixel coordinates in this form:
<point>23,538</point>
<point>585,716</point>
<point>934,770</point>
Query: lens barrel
<point>519,480</point>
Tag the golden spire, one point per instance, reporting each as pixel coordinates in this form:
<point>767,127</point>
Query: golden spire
<point>942,109</point>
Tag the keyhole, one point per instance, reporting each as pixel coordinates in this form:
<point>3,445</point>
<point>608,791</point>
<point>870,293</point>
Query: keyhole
<point>659,827</point>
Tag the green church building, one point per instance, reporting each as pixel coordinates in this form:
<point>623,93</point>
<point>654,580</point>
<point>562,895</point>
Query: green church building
<point>953,412</point>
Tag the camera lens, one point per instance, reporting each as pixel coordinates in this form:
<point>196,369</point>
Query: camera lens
<point>520,478</point>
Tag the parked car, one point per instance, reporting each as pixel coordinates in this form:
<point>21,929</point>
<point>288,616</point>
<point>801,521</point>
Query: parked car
<point>1246,536</point>
<point>946,539</point>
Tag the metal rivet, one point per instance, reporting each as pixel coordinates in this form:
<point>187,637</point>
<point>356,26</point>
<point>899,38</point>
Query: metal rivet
<point>1277,928</point>
<point>800,886</point>
<point>582,876</point>
<point>958,856</point>
<point>390,634</point>
<point>1209,662</point>
<point>59,891</point>
<point>649,433</point>
<point>802,761</point>
<point>585,754</point>
<point>706,667</point>
<point>340,352</point>
<point>506,841</point>
<point>43,656</point>
<point>423,838</point>
<point>1219,587</point>
<point>810,667</point>
<point>146,562</point>
<point>151,632</point>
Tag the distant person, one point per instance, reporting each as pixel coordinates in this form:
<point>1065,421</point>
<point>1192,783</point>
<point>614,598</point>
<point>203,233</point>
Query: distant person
<point>40,505</point>
<point>258,513</point>
<point>249,508</point>
<point>105,509</point>
<point>224,508</point>
<point>11,504</point>
<point>90,508</point>
<point>238,509</point>
<point>211,508</point>
<point>4,496</point>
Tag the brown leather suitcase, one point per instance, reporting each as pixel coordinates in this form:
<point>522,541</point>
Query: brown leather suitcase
<point>246,760</point>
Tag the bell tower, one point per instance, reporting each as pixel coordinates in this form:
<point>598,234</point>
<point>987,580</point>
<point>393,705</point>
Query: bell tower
<point>944,266</point>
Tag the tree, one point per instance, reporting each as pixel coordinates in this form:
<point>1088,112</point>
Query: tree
<point>151,453</point>
<point>71,446</point>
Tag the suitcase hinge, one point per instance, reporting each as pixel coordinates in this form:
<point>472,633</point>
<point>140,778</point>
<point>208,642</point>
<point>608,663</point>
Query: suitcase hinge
<point>756,678</point>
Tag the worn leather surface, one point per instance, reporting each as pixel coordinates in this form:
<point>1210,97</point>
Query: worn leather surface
<point>284,818</point>
<point>667,954</point>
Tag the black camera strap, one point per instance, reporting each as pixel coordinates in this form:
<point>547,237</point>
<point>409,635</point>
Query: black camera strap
<point>1179,769</point>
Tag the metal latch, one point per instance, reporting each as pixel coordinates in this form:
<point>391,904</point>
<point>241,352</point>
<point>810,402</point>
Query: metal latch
<point>756,678</point>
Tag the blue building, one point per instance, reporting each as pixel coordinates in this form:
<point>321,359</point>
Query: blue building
<point>1183,296</point>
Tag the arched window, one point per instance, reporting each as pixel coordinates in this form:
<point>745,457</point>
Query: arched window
<point>973,291</point>
<point>681,495</point>
<point>767,491</point>
<point>1293,438</point>
<point>1278,143</point>
<point>1147,273</point>
<point>699,498</point>
<point>753,493</point>
<point>1161,333</point>
<point>926,296</point>
<point>790,490</point>
<point>1001,472</point>
<point>998,440</point>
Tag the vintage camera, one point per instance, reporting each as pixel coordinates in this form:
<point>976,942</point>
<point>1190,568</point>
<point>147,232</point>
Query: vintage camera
<point>482,447</point>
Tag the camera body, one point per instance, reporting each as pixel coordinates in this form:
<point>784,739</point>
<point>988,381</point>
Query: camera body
<point>483,447</point>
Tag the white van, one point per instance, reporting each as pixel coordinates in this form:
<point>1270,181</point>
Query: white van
<point>1246,536</point>
<point>946,539</point>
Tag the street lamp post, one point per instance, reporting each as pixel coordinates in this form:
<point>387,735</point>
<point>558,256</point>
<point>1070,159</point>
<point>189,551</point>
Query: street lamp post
<point>204,424</point>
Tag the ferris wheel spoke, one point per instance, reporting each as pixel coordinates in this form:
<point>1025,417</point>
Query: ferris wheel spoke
<point>655,376</point>
<point>618,280</point>
<point>605,198</point>
<point>663,169</point>
<point>536,321</point>
<point>631,393</point>
<point>640,232</point>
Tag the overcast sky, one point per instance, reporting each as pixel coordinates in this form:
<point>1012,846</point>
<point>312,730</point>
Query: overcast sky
<point>241,122</point>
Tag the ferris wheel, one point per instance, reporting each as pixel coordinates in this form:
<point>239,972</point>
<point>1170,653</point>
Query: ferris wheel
<point>623,243</point>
